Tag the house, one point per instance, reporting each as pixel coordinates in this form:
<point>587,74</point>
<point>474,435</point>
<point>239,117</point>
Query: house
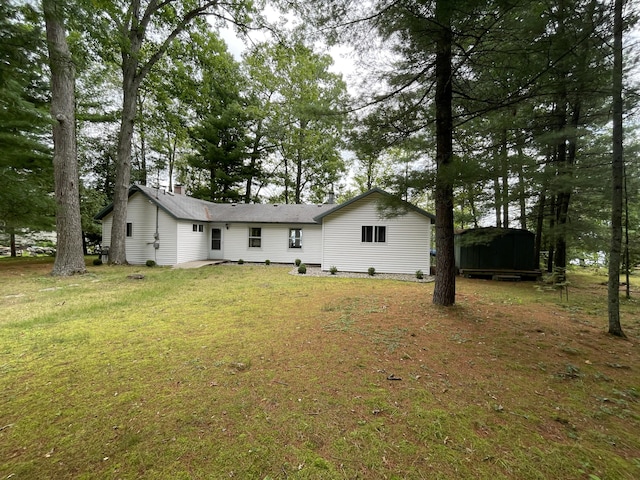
<point>353,236</point>
<point>496,252</point>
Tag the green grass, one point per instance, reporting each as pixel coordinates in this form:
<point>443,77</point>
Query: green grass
<point>249,372</point>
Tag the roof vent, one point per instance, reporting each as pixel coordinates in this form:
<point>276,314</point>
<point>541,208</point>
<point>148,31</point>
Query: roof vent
<point>275,204</point>
<point>234,204</point>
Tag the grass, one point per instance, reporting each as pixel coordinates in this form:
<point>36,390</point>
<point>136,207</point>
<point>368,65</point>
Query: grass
<point>249,372</point>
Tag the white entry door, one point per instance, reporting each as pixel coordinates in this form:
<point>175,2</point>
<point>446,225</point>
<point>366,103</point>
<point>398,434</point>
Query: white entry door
<point>216,243</point>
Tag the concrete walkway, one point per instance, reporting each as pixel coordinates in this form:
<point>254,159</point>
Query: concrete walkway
<point>199,263</point>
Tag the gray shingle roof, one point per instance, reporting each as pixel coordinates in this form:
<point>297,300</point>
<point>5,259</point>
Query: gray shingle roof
<point>183,207</point>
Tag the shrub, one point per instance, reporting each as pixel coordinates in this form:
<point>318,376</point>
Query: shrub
<point>371,271</point>
<point>267,262</point>
<point>333,270</point>
<point>240,261</point>
<point>419,274</point>
<point>97,261</point>
<point>302,269</point>
<point>298,262</point>
<point>150,263</point>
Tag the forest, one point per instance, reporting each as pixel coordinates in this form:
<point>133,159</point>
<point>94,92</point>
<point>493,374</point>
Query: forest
<point>506,113</point>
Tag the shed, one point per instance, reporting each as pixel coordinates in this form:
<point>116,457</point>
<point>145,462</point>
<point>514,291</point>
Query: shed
<point>496,252</point>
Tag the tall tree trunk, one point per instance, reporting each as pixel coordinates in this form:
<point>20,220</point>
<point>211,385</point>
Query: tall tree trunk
<point>117,250</point>
<point>444,292</point>
<point>522,189</point>
<point>69,253</point>
<point>615,327</point>
<point>504,167</point>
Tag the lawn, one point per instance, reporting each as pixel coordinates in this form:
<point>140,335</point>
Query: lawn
<point>250,372</point>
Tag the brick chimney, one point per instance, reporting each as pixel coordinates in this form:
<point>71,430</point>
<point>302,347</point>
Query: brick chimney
<point>178,189</point>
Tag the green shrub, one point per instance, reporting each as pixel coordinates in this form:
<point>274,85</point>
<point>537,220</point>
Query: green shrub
<point>298,262</point>
<point>267,262</point>
<point>371,271</point>
<point>419,274</point>
<point>333,270</point>
<point>150,263</point>
<point>97,261</point>
<point>240,261</point>
<point>302,269</point>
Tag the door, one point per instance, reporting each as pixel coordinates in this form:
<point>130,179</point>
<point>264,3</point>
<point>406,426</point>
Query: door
<point>216,243</point>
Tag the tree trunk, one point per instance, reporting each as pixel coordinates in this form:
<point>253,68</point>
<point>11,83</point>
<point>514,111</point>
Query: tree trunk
<point>444,292</point>
<point>69,254</point>
<point>617,172</point>
<point>504,167</point>
<point>12,244</point>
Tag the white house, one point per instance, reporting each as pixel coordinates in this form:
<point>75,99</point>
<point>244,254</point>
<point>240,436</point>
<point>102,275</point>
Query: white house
<point>353,236</point>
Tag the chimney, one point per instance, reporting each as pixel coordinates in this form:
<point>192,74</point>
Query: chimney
<point>177,189</point>
<point>331,198</point>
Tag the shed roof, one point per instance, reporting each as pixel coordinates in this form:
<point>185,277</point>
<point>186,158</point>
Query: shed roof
<point>183,207</point>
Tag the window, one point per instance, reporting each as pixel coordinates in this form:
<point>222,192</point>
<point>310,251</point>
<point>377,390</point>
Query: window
<point>201,228</point>
<point>295,238</point>
<point>195,227</point>
<point>129,229</point>
<point>216,239</point>
<point>376,234</point>
<point>255,237</point>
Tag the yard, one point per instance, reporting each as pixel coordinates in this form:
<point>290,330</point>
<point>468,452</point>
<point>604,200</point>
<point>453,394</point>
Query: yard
<point>250,372</point>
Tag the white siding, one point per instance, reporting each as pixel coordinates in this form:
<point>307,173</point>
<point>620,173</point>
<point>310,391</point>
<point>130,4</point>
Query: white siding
<point>142,215</point>
<point>192,245</point>
<point>405,250</point>
<point>167,231</point>
<point>139,247</point>
<point>274,244</point>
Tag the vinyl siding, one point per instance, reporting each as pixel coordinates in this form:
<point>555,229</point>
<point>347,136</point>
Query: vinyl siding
<point>192,245</point>
<point>274,244</point>
<point>139,247</point>
<point>405,250</point>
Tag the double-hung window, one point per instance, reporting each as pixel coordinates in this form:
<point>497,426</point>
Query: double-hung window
<point>255,237</point>
<point>295,238</point>
<point>377,234</point>
<point>129,229</point>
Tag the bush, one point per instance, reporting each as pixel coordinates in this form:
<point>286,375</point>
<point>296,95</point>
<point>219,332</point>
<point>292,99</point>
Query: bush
<point>302,269</point>
<point>371,271</point>
<point>97,261</point>
<point>240,262</point>
<point>267,262</point>
<point>298,262</point>
<point>333,270</point>
<point>419,274</point>
<point>150,263</point>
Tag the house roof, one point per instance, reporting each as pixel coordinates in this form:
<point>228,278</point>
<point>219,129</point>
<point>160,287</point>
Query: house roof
<point>183,207</point>
<point>396,205</point>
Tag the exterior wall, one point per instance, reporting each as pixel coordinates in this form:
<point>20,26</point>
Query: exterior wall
<point>274,243</point>
<point>142,215</point>
<point>406,249</point>
<point>192,245</point>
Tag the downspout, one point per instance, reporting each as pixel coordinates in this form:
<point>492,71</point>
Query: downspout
<point>156,237</point>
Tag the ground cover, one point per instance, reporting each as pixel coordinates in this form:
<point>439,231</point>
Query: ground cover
<point>250,372</point>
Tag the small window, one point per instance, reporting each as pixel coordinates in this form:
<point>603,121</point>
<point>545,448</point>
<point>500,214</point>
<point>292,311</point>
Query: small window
<point>201,228</point>
<point>295,238</point>
<point>129,229</point>
<point>367,233</point>
<point>195,227</point>
<point>255,237</point>
<point>376,234</point>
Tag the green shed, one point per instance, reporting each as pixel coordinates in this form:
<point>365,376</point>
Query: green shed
<point>496,252</point>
